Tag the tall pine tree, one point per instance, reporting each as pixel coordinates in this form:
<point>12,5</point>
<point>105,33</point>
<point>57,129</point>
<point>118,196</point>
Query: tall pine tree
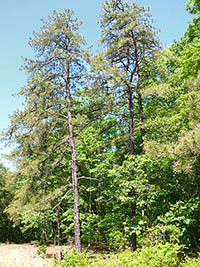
<point>45,130</point>
<point>129,41</point>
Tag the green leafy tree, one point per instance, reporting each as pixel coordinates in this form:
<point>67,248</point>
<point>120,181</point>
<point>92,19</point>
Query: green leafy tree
<point>172,136</point>
<point>3,203</point>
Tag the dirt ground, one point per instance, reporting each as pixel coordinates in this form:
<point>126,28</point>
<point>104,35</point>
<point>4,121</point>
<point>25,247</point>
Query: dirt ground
<point>25,256</point>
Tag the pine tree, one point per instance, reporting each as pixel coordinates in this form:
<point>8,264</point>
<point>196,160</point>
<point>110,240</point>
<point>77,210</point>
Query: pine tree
<point>129,41</point>
<point>47,125</point>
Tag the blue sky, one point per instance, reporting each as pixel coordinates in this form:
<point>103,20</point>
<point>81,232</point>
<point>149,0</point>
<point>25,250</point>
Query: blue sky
<point>18,20</point>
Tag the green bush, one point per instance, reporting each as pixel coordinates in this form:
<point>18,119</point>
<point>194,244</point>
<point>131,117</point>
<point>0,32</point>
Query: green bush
<point>154,256</point>
<point>74,259</point>
<point>159,255</point>
<point>191,262</point>
<point>42,250</point>
<point>162,234</point>
<point>116,240</point>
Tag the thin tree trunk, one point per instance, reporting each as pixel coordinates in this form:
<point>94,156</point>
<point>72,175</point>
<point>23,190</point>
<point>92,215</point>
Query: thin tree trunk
<point>58,232</point>
<point>43,233</point>
<point>54,234</point>
<point>133,242</point>
<point>142,132</point>
<point>131,127</point>
<point>133,235</point>
<point>74,172</point>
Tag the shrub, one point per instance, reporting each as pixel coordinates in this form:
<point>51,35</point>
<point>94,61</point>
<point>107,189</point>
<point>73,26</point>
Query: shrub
<point>154,256</point>
<point>159,255</point>
<point>42,250</point>
<point>191,262</point>
<point>74,259</point>
<point>162,234</point>
<point>116,239</point>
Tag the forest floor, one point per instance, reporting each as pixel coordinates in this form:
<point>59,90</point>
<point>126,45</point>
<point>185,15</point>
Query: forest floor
<point>25,255</point>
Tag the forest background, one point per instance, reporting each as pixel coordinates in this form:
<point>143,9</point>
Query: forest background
<point>106,149</point>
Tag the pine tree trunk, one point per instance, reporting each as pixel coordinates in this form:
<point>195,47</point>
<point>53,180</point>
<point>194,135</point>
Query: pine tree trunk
<point>142,132</point>
<point>133,242</point>
<point>74,172</point>
<point>131,116</point>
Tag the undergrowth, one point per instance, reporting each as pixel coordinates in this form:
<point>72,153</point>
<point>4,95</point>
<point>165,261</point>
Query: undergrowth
<point>159,255</point>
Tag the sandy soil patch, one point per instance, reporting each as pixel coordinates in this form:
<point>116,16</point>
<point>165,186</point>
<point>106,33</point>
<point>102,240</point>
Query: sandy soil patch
<point>23,256</point>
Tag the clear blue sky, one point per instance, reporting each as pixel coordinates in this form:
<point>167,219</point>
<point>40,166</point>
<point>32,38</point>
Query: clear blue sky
<point>18,20</point>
